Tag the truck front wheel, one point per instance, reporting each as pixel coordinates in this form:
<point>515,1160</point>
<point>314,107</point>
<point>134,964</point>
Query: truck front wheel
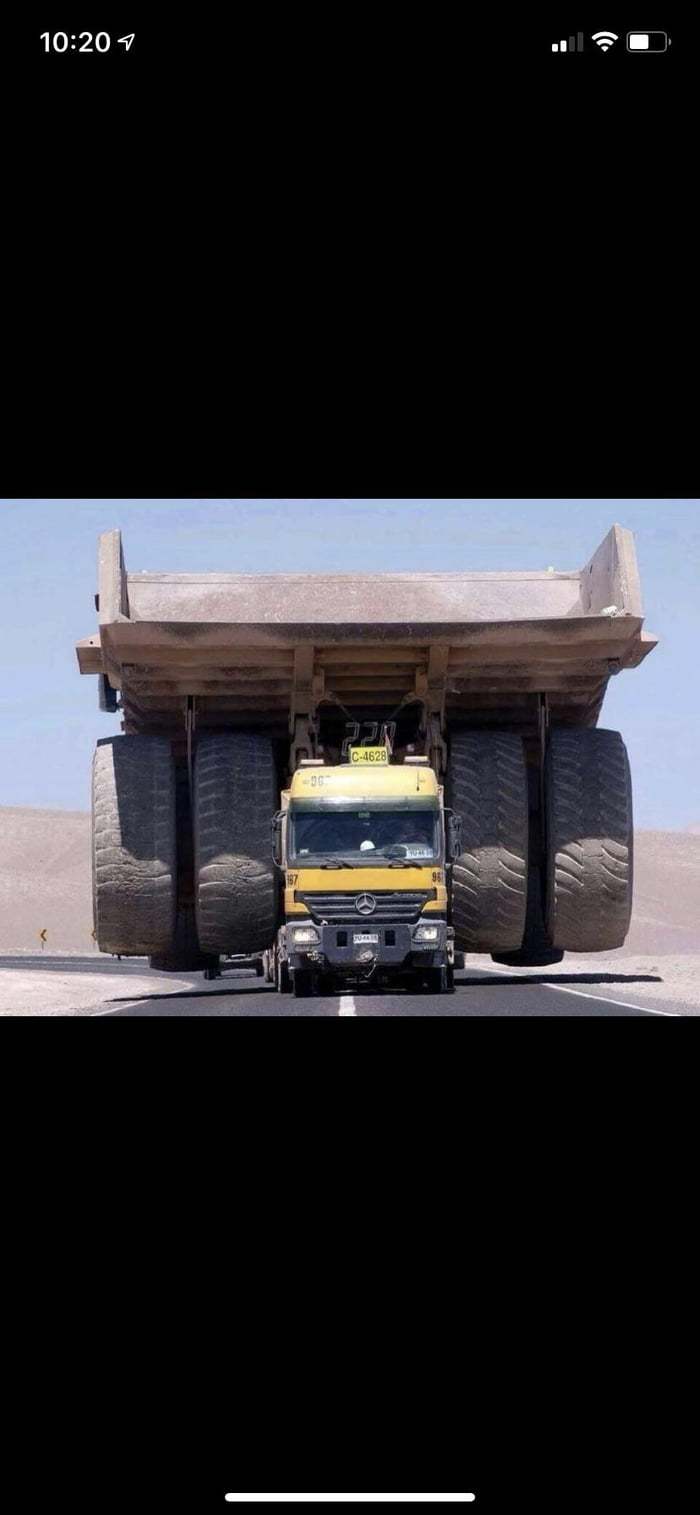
<point>302,983</point>
<point>281,976</point>
<point>437,980</point>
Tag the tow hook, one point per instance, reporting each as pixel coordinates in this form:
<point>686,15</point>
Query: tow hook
<point>368,961</point>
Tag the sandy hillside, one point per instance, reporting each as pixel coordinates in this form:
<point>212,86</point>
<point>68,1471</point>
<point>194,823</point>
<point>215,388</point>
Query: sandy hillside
<point>45,882</point>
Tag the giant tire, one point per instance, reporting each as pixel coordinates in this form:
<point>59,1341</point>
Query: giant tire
<point>134,870</point>
<point>234,800</point>
<point>588,794</point>
<point>536,950</point>
<point>185,955</point>
<point>487,786</point>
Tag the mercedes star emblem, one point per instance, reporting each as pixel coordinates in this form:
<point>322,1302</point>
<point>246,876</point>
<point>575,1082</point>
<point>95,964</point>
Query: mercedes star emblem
<point>365,904</point>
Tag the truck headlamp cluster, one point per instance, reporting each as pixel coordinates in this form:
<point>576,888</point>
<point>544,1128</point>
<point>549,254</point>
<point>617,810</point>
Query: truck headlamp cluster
<point>307,934</point>
<point>426,933</point>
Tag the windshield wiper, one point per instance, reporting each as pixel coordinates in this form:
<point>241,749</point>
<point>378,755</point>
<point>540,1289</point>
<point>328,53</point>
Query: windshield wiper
<point>336,862</point>
<point>402,863</point>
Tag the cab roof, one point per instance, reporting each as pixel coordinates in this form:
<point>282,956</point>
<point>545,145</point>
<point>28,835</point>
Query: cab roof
<point>362,781</point>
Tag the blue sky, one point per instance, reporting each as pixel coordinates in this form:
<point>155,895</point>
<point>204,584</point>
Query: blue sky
<point>48,578</point>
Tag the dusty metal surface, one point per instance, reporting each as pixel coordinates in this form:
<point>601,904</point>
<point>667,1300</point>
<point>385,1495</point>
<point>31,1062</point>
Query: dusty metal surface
<point>475,648</point>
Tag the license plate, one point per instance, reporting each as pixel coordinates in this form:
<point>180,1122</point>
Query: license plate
<point>369,755</point>
<point>365,936</point>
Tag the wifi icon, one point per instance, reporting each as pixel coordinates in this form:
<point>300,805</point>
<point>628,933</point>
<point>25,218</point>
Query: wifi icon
<point>604,39</point>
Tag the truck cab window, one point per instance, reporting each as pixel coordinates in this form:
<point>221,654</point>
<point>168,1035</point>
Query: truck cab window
<point>366,835</point>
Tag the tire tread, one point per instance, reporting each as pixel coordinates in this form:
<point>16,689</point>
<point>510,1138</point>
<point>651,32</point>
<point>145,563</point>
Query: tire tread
<point>487,781</point>
<point>134,844</point>
<point>235,795</point>
<point>589,840</point>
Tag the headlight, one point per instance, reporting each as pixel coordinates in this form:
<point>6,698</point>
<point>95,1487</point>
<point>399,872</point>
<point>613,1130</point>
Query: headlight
<point>426,933</point>
<point>306,934</point>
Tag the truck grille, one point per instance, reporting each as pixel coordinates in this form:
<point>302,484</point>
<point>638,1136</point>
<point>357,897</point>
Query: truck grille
<point>395,905</point>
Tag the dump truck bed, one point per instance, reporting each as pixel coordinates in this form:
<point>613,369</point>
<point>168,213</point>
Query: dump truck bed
<point>480,648</point>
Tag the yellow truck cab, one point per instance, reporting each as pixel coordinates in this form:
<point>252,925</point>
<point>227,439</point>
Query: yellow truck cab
<point>363,847</point>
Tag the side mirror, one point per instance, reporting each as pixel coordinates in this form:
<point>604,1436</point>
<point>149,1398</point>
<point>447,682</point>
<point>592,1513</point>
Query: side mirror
<point>277,839</point>
<point>454,834</point>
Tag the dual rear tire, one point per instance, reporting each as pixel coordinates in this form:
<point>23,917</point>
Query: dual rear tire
<point>500,904</point>
<point>135,852</point>
<point>536,950</point>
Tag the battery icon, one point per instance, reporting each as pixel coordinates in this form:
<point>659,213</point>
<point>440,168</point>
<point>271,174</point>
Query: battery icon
<point>647,42</point>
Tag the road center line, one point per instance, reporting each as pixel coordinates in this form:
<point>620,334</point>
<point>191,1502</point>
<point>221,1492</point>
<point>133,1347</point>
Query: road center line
<point>347,1005</point>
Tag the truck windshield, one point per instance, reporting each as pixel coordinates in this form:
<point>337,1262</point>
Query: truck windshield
<point>363,836</point>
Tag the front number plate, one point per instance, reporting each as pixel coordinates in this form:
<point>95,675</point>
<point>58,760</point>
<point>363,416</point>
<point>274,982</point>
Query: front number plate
<point>365,936</point>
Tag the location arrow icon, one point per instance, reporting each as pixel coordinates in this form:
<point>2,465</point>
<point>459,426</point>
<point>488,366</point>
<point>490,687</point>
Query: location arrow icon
<point>127,40</point>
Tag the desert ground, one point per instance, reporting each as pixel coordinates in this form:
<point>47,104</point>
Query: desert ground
<point>45,885</point>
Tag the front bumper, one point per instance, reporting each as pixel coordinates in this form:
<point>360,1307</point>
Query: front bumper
<point>396,947</point>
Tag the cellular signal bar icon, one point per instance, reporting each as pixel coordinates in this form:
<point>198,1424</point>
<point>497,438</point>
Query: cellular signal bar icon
<point>575,44</point>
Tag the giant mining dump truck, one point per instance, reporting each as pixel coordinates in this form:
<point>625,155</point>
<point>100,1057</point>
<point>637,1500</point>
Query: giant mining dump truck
<point>362,777</point>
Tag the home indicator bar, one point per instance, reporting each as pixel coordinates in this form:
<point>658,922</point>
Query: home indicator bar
<point>351,1498</point>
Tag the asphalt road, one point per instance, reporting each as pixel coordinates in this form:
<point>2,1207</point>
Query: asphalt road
<point>100,963</point>
<point>240,992</point>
